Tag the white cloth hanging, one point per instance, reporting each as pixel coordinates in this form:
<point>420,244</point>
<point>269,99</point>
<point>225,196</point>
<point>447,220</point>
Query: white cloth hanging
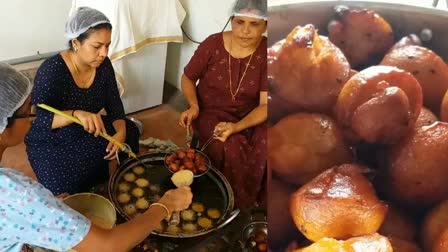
<point>135,25</point>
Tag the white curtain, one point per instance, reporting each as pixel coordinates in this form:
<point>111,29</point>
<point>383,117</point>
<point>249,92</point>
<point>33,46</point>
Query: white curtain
<point>140,33</point>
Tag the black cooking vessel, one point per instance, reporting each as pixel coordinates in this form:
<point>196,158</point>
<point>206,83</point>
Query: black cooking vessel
<point>212,189</point>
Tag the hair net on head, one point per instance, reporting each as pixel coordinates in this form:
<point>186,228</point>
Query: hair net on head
<point>83,19</point>
<point>251,8</point>
<point>14,89</point>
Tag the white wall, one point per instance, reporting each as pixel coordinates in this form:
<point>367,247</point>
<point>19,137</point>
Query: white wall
<point>29,26</point>
<point>204,17</point>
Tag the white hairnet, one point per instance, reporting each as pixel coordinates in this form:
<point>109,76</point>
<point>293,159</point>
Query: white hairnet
<point>83,19</point>
<point>14,89</point>
<point>251,8</point>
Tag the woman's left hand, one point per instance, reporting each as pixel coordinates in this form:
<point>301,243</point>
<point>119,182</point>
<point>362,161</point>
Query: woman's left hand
<point>112,149</point>
<point>224,130</point>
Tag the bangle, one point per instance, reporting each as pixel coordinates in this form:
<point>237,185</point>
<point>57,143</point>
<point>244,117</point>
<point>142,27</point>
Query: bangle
<point>161,205</point>
<point>73,112</point>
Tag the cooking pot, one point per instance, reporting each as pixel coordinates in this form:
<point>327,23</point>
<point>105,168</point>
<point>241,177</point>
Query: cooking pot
<point>95,207</point>
<point>404,19</point>
<point>251,230</point>
<point>212,189</point>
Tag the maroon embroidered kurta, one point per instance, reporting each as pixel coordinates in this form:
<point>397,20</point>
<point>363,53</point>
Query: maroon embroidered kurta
<point>242,158</point>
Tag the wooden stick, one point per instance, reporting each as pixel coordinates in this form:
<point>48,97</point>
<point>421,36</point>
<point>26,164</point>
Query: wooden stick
<point>76,120</point>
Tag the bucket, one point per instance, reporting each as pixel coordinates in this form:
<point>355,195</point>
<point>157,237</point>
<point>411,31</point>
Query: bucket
<point>99,210</point>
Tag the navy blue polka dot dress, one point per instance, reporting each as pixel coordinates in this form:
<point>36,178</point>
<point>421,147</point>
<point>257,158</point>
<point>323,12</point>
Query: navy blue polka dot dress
<point>69,159</point>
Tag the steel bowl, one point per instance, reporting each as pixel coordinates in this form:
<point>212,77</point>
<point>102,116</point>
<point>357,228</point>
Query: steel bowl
<point>208,165</point>
<point>404,19</point>
<point>95,207</point>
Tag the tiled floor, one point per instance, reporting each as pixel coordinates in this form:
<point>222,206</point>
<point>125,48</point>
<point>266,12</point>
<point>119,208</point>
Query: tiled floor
<point>162,122</point>
<point>159,122</point>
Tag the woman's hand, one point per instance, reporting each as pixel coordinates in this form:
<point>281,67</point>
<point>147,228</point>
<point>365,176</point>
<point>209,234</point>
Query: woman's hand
<point>224,130</point>
<point>111,148</point>
<point>92,122</point>
<point>177,199</point>
<point>188,116</point>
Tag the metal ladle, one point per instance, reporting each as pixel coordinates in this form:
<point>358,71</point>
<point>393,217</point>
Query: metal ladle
<point>179,179</point>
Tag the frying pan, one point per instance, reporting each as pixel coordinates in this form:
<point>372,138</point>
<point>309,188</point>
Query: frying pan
<point>212,189</point>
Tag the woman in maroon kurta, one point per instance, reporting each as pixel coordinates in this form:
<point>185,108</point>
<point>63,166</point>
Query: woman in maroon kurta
<point>231,99</point>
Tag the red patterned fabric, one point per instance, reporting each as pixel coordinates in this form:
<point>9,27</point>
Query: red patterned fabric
<point>242,158</point>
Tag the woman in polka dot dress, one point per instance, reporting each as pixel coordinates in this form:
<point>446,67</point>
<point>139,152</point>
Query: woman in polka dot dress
<point>81,82</point>
<point>30,214</point>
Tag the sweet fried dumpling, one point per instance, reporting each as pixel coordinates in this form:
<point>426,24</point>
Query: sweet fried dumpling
<point>306,71</point>
<point>138,170</point>
<point>142,182</point>
<point>129,176</point>
<point>427,67</point>
<point>303,145</point>
<point>174,229</point>
<point>188,215</point>
<point>204,222</point>
<point>339,203</point>
<point>182,178</point>
<point>124,198</point>
<point>362,35</point>
<point>142,203</point>
<point>415,171</point>
<point>124,187</point>
<point>130,209</point>
<point>198,207</point>
<point>367,243</point>
<point>138,192</point>
<point>380,104</point>
<point>213,213</point>
<point>189,227</point>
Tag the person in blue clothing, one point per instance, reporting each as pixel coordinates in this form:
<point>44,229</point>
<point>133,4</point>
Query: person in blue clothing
<point>81,82</point>
<point>30,214</point>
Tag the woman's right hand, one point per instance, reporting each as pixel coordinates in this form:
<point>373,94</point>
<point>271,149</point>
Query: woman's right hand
<point>92,122</point>
<point>188,116</point>
<point>177,199</point>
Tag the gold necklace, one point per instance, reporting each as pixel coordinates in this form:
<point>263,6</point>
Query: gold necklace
<point>230,73</point>
<point>86,80</point>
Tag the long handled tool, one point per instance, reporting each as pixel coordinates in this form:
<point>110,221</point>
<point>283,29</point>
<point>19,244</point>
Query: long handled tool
<point>179,179</point>
<point>209,140</point>
<point>123,147</point>
<point>188,137</point>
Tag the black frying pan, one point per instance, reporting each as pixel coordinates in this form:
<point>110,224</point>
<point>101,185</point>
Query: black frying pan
<point>212,189</point>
